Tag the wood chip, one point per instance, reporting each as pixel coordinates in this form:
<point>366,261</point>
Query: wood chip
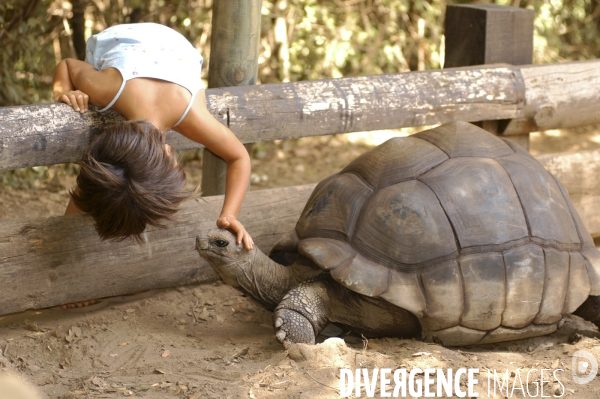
<point>165,353</point>
<point>204,315</point>
<point>97,381</point>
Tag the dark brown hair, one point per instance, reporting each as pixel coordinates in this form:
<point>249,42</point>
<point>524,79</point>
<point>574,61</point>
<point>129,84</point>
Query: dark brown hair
<point>128,180</point>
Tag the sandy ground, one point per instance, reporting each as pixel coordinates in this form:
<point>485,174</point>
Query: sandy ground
<point>210,341</point>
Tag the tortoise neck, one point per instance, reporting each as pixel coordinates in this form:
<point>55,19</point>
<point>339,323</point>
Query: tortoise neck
<point>266,280</point>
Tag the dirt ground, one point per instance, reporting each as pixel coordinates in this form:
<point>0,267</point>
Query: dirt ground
<point>209,341</point>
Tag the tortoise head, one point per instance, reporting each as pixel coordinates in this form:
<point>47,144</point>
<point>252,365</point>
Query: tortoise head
<point>229,259</point>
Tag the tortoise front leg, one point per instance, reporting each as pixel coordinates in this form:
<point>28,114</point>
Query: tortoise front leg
<point>302,313</point>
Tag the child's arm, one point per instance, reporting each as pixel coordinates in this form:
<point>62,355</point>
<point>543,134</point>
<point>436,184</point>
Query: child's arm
<point>202,127</point>
<point>76,83</point>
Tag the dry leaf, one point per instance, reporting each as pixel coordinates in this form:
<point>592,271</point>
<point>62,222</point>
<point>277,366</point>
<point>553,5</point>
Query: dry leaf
<point>166,353</point>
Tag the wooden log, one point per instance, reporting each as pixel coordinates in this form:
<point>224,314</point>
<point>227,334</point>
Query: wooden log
<point>233,62</point>
<point>489,34</point>
<point>35,135</point>
<point>47,262</point>
<point>579,172</point>
<point>559,96</point>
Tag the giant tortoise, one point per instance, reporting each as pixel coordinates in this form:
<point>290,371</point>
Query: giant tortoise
<point>452,235</point>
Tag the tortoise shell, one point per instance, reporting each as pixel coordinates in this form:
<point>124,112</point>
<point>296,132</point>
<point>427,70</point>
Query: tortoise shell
<point>464,229</point>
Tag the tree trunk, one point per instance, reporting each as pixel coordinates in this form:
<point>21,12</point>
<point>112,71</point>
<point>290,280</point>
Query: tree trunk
<point>77,22</point>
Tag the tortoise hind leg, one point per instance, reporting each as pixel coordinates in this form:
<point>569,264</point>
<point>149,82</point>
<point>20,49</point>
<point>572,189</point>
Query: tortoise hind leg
<point>590,310</point>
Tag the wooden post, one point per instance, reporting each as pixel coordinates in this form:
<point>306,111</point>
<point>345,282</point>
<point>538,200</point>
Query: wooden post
<point>233,62</point>
<point>489,34</point>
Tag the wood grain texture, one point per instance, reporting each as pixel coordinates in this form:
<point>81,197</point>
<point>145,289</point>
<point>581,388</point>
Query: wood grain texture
<point>47,262</point>
<point>36,135</point>
<point>487,34</point>
<point>559,96</point>
<point>233,62</point>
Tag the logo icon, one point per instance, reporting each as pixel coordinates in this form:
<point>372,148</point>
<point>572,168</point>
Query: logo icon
<point>584,367</point>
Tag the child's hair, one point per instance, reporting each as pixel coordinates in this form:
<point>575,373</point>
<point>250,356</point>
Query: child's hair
<point>128,179</point>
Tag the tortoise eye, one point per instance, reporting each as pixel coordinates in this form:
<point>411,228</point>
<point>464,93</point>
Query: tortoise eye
<point>221,243</point>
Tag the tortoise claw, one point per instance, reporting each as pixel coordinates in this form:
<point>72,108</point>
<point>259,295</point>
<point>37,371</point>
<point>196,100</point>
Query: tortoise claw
<point>293,327</point>
<point>278,322</point>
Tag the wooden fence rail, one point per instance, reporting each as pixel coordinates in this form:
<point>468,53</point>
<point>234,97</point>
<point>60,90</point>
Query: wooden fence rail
<point>48,134</point>
<point>50,261</point>
<point>534,96</point>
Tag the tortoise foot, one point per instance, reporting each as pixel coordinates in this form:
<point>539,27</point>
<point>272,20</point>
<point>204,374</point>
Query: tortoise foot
<point>292,327</point>
<point>302,313</point>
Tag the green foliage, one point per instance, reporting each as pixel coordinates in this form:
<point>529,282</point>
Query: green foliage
<point>24,70</point>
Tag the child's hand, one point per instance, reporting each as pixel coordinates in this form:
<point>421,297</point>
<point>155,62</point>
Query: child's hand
<point>76,99</point>
<point>230,222</point>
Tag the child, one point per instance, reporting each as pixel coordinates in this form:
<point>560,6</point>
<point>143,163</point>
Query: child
<point>129,177</point>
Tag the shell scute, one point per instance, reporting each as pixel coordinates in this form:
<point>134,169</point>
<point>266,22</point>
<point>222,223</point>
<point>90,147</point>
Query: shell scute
<point>326,252</point>
<point>334,208</point>
<point>579,283</point>
<point>543,204</point>
<point>502,334</point>
<point>396,160</point>
<point>363,276</point>
<point>556,283</point>
<point>404,290</point>
<point>403,225</point>
<point>444,292</point>
<point>525,272</point>
<point>463,139</point>
<point>485,290</point>
<point>589,249</point>
<point>480,201</point>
